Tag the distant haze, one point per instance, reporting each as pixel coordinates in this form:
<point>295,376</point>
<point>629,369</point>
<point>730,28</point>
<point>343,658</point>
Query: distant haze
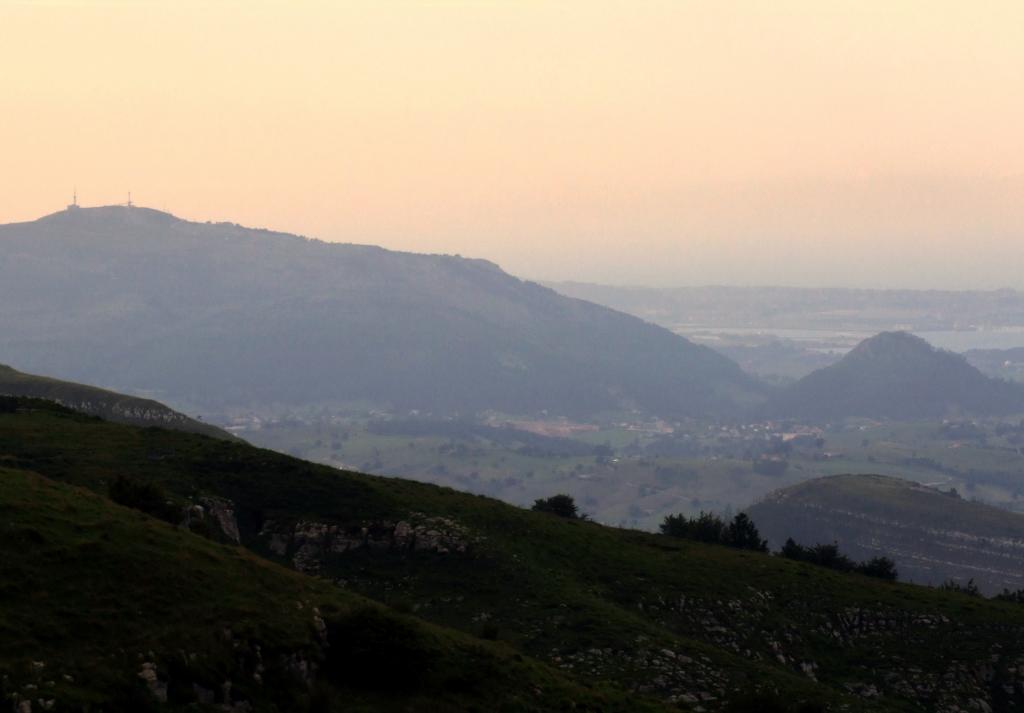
<point>662,143</point>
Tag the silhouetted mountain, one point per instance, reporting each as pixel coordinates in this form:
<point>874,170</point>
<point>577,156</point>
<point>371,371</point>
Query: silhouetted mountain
<point>933,536</point>
<point>105,404</point>
<point>896,375</point>
<point>217,314</point>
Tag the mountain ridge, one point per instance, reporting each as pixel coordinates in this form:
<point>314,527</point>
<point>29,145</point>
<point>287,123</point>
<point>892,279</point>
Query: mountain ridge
<point>219,314</point>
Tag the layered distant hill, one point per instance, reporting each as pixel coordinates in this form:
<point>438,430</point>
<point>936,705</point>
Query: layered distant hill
<point>219,315</point>
<point>105,404</point>
<point>933,536</point>
<point>899,376</point>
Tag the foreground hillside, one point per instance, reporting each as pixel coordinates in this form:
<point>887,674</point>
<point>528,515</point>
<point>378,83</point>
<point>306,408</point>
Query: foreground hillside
<point>106,609</point>
<point>691,625</point>
<point>896,375</point>
<point>932,536</point>
<point>219,315</point>
<point>100,402</point>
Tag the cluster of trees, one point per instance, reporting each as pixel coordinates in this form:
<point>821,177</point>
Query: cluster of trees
<point>708,527</point>
<point>830,556</point>
<point>1017,597</point>
<point>742,533</point>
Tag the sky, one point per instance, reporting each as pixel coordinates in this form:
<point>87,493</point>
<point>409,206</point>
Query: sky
<point>784,142</point>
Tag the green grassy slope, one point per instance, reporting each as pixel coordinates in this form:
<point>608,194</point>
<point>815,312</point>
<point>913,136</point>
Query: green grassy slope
<point>933,536</point>
<point>100,402</point>
<point>687,623</point>
<point>94,594</point>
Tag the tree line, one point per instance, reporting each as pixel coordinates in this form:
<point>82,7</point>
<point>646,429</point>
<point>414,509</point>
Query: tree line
<point>740,533</point>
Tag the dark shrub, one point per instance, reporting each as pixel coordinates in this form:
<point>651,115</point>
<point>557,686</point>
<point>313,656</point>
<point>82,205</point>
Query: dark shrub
<point>880,567</point>
<point>970,589</point>
<point>561,505</point>
<point>792,551</point>
<point>821,555</point>
<point>147,497</point>
<point>830,556</point>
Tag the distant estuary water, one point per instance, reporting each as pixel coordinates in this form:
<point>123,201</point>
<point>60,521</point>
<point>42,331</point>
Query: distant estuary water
<point>965,340</point>
<point>842,341</point>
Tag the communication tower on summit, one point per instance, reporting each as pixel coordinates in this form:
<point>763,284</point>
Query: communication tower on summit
<point>74,201</point>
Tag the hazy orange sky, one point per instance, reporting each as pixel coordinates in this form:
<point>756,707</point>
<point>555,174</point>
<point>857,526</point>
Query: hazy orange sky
<point>810,143</point>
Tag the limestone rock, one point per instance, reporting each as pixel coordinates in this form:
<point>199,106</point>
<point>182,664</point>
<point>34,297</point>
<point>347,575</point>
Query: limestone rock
<point>157,687</point>
<point>222,512</point>
<point>312,542</point>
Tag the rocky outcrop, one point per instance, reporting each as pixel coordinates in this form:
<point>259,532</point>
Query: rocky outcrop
<point>221,511</point>
<point>107,405</point>
<point>155,415</point>
<point>657,671</point>
<point>892,643</point>
<point>171,676</point>
<point>309,544</point>
<point>29,699</point>
<point>214,517</point>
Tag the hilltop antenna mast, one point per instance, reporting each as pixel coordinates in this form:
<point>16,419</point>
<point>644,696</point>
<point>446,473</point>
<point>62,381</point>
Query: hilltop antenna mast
<point>129,199</point>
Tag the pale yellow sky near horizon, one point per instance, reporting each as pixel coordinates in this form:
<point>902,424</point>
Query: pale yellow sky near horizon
<point>786,142</point>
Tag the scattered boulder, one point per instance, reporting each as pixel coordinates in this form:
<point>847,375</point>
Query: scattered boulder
<point>149,676</point>
<point>215,517</point>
